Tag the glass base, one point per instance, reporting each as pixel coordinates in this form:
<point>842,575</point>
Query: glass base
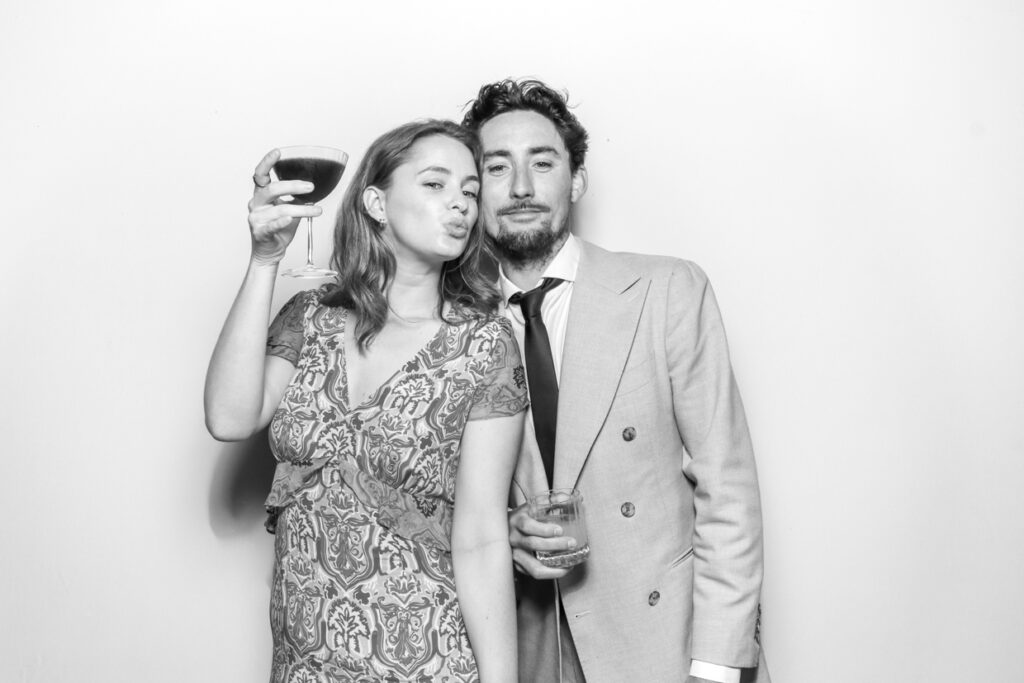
<point>564,560</point>
<point>309,272</point>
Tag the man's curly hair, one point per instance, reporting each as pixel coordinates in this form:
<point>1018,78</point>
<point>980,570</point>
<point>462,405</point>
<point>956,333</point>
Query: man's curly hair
<point>510,95</point>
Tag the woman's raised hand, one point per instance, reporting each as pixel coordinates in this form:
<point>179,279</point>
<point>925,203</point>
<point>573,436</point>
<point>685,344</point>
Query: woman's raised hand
<point>272,223</point>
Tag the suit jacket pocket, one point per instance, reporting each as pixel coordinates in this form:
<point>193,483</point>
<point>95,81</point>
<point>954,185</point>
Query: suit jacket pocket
<point>682,558</point>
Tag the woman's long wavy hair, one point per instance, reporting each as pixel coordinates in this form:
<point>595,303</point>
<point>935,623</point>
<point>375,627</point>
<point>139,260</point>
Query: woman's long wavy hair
<point>365,261</point>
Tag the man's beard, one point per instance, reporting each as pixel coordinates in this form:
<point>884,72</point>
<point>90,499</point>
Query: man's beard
<point>522,248</point>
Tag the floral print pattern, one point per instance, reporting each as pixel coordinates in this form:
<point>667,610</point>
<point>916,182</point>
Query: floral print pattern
<point>362,499</point>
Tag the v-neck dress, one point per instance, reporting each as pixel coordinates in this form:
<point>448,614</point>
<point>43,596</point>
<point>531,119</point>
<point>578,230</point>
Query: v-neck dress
<point>362,499</point>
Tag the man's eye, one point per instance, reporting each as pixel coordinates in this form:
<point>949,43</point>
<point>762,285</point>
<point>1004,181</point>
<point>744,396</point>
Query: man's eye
<point>544,165</point>
<point>495,169</point>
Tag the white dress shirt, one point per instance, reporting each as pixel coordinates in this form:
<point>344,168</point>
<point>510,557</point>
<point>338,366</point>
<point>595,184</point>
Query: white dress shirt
<point>554,311</point>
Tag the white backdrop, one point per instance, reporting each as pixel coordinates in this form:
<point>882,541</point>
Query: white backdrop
<point>848,173</point>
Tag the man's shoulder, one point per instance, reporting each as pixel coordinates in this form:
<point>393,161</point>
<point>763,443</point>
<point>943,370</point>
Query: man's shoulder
<point>655,267</point>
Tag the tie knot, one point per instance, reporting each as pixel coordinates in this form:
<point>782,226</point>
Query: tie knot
<point>530,301</point>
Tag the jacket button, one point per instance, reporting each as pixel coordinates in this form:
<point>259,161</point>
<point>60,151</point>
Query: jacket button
<point>653,598</point>
<point>628,434</point>
<point>628,509</point>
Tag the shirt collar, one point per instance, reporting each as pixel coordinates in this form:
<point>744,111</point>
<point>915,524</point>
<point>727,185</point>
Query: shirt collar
<point>563,266</point>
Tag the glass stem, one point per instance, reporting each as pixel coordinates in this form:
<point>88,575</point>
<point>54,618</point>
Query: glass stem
<point>309,241</point>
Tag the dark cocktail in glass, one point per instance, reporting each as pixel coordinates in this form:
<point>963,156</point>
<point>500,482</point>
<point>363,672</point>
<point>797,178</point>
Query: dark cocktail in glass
<point>323,167</point>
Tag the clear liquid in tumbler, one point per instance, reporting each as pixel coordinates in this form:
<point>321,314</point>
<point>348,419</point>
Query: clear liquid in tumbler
<point>564,508</point>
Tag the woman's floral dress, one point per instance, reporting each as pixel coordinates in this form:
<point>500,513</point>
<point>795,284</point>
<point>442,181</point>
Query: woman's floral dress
<point>362,498</point>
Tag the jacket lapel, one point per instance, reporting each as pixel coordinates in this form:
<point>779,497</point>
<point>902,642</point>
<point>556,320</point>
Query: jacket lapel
<point>607,300</point>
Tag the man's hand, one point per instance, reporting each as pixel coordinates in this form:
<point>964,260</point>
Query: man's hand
<point>527,536</point>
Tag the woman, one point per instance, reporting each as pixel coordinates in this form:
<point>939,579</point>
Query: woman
<point>389,396</point>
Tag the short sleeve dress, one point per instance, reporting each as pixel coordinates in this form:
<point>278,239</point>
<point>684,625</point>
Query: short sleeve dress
<point>362,498</point>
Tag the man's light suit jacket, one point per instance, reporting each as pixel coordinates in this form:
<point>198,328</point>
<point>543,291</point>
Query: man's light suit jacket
<point>652,431</point>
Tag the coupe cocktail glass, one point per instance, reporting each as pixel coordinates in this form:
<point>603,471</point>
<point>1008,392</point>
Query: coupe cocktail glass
<point>323,167</point>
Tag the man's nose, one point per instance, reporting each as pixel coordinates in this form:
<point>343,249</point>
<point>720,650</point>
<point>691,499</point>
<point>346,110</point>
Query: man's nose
<point>522,185</point>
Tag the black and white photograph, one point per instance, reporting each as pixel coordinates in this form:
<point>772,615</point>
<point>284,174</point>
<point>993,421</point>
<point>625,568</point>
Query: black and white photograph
<point>540,342</point>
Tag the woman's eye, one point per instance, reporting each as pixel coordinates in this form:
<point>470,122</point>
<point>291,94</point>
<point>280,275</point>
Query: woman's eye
<point>470,193</point>
<point>433,185</point>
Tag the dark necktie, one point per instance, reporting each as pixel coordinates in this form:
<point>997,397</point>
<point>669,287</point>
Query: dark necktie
<point>540,371</point>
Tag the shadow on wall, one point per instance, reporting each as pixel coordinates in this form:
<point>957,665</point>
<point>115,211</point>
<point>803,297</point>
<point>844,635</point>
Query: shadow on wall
<point>582,225</point>
<point>241,481</point>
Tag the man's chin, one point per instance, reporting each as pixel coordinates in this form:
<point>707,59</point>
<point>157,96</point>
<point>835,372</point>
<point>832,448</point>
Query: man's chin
<point>522,245</point>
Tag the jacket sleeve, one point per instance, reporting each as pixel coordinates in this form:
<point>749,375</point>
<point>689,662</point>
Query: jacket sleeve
<point>719,460</point>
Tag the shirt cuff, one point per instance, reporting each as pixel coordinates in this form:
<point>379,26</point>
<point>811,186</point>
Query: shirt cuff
<point>714,672</point>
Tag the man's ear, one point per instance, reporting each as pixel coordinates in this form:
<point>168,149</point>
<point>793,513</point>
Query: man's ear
<point>373,202</point>
<point>579,184</point>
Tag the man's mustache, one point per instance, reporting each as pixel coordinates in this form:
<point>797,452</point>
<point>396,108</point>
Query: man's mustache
<point>522,206</point>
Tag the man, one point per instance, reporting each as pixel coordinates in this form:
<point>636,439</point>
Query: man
<point>642,415</point>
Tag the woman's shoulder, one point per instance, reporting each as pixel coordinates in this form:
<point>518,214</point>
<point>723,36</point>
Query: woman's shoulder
<point>306,297</point>
<point>308,309</point>
<point>310,300</point>
<point>498,323</point>
<point>493,335</point>
<point>478,321</point>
